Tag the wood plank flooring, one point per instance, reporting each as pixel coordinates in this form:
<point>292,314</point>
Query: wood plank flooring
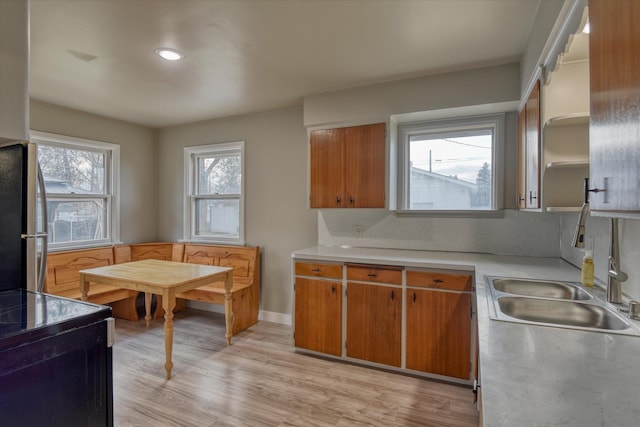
<point>261,381</point>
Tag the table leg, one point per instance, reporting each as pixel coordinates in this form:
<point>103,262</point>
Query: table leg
<point>84,287</point>
<point>168,303</point>
<point>228,306</point>
<point>147,308</point>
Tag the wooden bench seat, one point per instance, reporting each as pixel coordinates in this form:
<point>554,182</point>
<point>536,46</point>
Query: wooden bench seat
<point>245,261</point>
<point>63,279</point>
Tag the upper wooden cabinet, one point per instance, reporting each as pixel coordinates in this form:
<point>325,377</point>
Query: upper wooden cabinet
<point>614,57</point>
<point>348,167</point>
<point>522,147</point>
<point>532,149</point>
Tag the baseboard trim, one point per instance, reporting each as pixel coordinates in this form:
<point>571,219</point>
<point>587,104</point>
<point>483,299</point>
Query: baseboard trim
<point>268,316</point>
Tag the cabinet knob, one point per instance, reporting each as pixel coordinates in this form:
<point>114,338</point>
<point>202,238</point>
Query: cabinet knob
<point>414,297</point>
<point>333,289</point>
<point>337,200</point>
<point>351,200</point>
<point>393,295</point>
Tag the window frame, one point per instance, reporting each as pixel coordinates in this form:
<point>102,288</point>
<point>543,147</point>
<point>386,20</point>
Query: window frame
<point>191,153</point>
<point>408,129</point>
<point>111,194</point>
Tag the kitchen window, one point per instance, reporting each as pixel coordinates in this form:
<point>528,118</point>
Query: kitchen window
<point>451,166</point>
<point>214,185</point>
<point>81,185</point>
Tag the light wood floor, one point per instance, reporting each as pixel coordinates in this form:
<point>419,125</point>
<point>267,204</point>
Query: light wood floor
<point>261,381</point>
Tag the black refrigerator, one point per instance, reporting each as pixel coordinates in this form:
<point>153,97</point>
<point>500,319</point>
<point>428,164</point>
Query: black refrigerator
<point>55,353</point>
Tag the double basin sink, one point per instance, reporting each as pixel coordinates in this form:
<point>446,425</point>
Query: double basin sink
<point>554,303</point>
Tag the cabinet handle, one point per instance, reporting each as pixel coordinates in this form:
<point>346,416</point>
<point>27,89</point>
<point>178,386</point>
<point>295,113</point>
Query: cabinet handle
<point>315,270</point>
<point>393,295</point>
<point>414,297</point>
<point>520,199</point>
<point>438,280</point>
<point>333,289</point>
<point>372,275</point>
<point>337,200</point>
<point>532,197</point>
<point>351,200</point>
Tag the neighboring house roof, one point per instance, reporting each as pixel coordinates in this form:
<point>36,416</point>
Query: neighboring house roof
<point>449,179</point>
<point>57,186</point>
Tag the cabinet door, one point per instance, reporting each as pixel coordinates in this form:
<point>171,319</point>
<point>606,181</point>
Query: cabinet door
<point>318,315</point>
<point>439,332</point>
<point>532,119</point>
<point>614,131</point>
<point>327,168</point>
<point>522,169</point>
<point>374,317</point>
<point>364,163</point>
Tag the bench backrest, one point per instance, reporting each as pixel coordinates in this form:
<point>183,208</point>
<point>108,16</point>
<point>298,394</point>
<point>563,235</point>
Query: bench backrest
<point>162,251</point>
<point>63,267</point>
<point>244,260</point>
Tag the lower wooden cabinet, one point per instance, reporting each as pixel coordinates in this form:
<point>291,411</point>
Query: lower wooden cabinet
<point>415,320</point>
<point>374,322</point>
<point>439,332</point>
<point>318,315</point>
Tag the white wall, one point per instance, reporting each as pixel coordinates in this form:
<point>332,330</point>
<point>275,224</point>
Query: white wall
<point>597,230</point>
<point>376,103</point>
<point>138,162</point>
<point>14,70</point>
<point>276,214</point>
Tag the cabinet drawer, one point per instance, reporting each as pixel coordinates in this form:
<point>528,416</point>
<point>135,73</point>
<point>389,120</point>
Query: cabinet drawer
<point>333,271</point>
<point>432,279</point>
<point>375,273</point>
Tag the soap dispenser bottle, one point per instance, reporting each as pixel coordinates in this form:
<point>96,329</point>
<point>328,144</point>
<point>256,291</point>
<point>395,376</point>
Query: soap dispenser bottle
<point>587,268</point>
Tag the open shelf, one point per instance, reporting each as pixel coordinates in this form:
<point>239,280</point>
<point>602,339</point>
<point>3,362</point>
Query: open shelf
<point>568,120</point>
<point>567,164</point>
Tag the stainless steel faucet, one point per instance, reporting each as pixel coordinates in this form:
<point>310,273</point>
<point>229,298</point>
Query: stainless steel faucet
<point>615,277</point>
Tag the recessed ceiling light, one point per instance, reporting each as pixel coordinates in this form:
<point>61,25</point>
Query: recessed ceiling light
<point>169,54</point>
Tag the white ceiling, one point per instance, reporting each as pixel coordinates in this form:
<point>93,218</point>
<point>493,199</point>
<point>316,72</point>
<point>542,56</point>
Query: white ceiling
<point>245,56</point>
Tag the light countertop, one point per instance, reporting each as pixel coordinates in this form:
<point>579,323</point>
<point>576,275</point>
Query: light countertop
<point>531,375</point>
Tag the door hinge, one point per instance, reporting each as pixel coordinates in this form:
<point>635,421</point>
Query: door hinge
<point>476,386</point>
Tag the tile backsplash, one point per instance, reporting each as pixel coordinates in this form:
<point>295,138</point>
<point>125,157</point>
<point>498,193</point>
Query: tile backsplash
<point>516,233</point>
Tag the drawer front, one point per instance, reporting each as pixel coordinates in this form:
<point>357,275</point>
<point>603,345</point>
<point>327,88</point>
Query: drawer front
<point>432,279</point>
<point>375,273</point>
<point>333,271</point>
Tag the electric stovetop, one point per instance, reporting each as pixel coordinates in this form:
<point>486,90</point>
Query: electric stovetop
<point>27,316</point>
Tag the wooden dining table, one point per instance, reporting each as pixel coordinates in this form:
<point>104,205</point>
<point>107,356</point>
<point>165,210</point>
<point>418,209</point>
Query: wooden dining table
<point>165,278</point>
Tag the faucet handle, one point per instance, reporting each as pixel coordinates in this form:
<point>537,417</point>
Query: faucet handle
<point>614,272</point>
